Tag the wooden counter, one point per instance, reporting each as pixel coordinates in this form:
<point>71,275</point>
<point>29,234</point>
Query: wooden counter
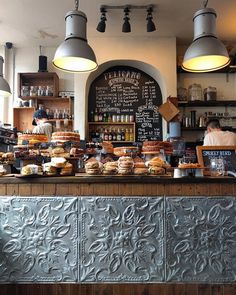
<point>184,203</point>
<point>118,185</point>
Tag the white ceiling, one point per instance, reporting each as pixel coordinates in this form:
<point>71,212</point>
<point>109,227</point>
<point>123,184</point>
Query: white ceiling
<point>41,22</point>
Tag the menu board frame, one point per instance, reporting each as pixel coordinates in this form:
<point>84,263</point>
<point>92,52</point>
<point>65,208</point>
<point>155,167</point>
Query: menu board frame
<point>125,90</point>
<point>201,149</point>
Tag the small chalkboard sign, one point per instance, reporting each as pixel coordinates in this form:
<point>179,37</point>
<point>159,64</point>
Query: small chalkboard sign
<point>228,153</point>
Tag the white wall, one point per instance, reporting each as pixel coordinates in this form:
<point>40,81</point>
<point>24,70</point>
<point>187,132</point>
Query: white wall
<point>156,56</point>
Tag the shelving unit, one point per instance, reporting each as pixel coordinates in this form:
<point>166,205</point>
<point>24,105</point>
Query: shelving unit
<point>43,79</point>
<point>223,80</point>
<point>93,126</point>
<point>216,103</point>
<point>22,116</point>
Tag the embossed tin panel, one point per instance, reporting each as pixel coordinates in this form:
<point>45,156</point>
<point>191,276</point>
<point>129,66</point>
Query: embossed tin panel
<point>38,240</point>
<point>121,239</point>
<point>201,239</point>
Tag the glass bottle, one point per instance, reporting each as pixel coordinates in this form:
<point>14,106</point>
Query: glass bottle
<point>96,115</point>
<point>127,135</point>
<point>92,116</point>
<point>122,135</point>
<point>105,118</point>
<point>114,135</point>
<point>100,116</point>
<point>56,114</point>
<point>118,136</point>
<point>106,135</point>
<point>110,135</point>
<point>131,135</point>
<point>109,119</point>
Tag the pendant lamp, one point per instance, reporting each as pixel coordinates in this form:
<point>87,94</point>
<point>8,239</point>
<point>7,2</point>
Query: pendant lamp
<point>4,86</point>
<point>206,53</point>
<point>74,54</point>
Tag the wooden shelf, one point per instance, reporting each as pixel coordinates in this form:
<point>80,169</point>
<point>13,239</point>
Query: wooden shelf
<point>46,98</point>
<point>39,79</point>
<point>208,103</point>
<point>122,141</point>
<point>24,108</point>
<point>23,115</point>
<point>61,120</point>
<point>111,123</point>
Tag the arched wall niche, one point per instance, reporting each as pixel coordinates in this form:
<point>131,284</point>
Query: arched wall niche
<point>86,80</point>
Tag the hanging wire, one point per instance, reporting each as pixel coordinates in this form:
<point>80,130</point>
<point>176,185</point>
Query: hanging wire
<point>76,4</point>
<point>205,2</point>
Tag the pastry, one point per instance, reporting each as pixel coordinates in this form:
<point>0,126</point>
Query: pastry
<point>189,165</point>
<point>76,152</point>
<point>107,147</point>
<point>125,151</point>
<point>26,170</point>
<point>110,168</point>
<point>151,146</point>
<point>49,169</point>
<point>155,170</point>
<point>31,138</point>
<point>141,171</point>
<point>156,161</point>
<point>58,162</point>
<point>65,137</point>
<point>31,169</point>
<point>8,156</point>
<point>125,165</point>
<point>67,169</point>
<point>92,165</point>
<point>139,165</point>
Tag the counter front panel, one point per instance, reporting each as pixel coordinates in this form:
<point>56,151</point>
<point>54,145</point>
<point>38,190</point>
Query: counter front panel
<point>118,239</point>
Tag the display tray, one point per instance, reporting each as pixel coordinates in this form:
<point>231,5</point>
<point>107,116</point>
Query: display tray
<point>121,175</point>
<point>7,175</point>
<point>191,168</point>
<point>38,175</point>
<point>151,153</point>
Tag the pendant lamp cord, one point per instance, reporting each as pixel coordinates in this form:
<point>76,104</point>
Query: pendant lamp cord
<point>76,4</point>
<point>205,3</point>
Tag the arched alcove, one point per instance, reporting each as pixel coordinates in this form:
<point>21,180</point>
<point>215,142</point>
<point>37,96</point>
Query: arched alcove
<point>85,81</point>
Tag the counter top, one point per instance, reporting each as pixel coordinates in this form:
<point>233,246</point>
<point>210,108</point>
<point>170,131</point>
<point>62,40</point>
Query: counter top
<point>84,178</point>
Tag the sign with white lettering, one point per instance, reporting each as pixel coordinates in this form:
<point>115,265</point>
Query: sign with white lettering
<point>228,153</point>
<point>124,90</point>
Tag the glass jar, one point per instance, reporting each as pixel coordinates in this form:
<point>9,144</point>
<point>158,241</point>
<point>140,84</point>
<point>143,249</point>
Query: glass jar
<point>49,91</point>
<point>210,93</point>
<point>182,94</point>
<point>195,92</point>
<point>25,91</point>
<point>33,91</point>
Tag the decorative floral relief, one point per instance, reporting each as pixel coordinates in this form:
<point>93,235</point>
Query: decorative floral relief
<point>201,239</point>
<point>38,240</point>
<point>121,239</point>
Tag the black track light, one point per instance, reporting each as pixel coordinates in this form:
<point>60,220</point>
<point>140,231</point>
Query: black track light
<point>150,24</point>
<point>126,28</point>
<point>102,24</point>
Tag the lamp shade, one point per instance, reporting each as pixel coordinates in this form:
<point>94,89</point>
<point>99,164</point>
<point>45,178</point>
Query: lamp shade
<point>74,54</point>
<point>4,86</point>
<point>206,53</point>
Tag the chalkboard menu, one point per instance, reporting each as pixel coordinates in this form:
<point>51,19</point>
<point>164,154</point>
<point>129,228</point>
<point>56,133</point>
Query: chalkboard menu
<point>228,153</point>
<point>129,91</point>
